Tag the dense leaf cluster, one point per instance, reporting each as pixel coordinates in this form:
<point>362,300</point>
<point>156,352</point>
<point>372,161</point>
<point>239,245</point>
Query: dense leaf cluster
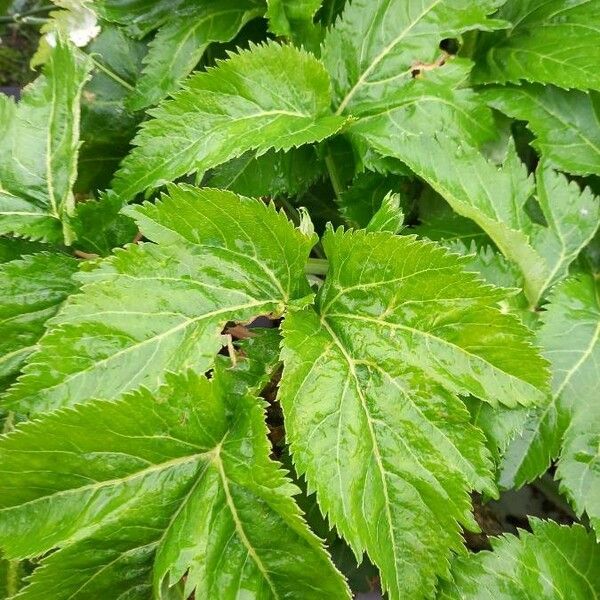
<point>405,190</point>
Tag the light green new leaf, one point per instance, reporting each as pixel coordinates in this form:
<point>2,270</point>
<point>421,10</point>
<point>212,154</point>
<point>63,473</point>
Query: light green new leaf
<point>550,41</point>
<point>389,217</point>
<point>33,288</point>
<point>566,123</point>
<point>555,561</point>
<point>39,139</point>
<point>372,51</point>
<point>181,42</point>
<point>270,96</point>
<point>570,339</point>
<point>174,484</point>
<point>161,307</point>
<point>369,392</point>
<point>364,198</point>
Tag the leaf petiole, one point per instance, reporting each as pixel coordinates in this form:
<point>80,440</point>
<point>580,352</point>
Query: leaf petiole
<point>317,266</point>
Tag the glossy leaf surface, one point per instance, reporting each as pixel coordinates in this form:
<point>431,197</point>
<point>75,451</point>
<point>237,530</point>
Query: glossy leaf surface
<point>270,96</point>
<point>386,443</point>
<point>555,561</point>
<point>39,141</point>
<point>579,301</point>
<point>33,288</point>
<point>550,41</point>
<point>372,51</point>
<point>187,489</point>
<point>570,339</point>
<point>161,307</point>
<point>180,44</point>
<point>270,174</point>
<point>566,123</point>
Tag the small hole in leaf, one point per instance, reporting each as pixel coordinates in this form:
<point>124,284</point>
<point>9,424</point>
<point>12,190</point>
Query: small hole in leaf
<point>450,46</point>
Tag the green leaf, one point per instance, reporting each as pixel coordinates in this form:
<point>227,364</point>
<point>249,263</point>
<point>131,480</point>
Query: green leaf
<point>270,96</point>
<point>286,16</point>
<point>270,174</point>
<point>372,51</point>
<point>494,198</point>
<point>434,101</point>
<point>140,17</point>
<point>565,123</point>
<point>181,42</point>
<point>572,218</point>
<point>161,307</point>
<point>570,339</point>
<point>189,490</point>
<point>33,288</point>
<point>488,263</point>
<point>107,127</point>
<point>550,41</point>
<point>555,561</point>
<point>438,222</point>
<point>369,393</point>
<point>364,198</point>
<point>39,139</point>
<point>100,226</point>
<point>475,188</point>
<point>12,248</point>
<point>389,217</point>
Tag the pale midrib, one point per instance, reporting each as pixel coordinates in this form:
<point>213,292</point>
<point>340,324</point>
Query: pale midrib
<point>441,340</point>
<point>240,528</point>
<point>190,32</point>
<point>162,335</point>
<point>556,395</point>
<point>151,175</point>
<point>344,103</point>
<point>107,566</point>
<point>175,462</point>
<point>374,442</point>
<point>49,175</point>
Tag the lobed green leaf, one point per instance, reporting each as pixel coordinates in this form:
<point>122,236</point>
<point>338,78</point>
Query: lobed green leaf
<point>186,491</point>
<point>39,140</point>
<point>268,97</point>
<point>369,392</point>
<point>552,562</point>
<point>161,307</point>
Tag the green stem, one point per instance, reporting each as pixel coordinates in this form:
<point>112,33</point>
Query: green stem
<point>317,266</point>
<point>338,188</point>
<point>13,578</point>
<point>112,74</point>
<point>23,17</point>
<point>8,422</point>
